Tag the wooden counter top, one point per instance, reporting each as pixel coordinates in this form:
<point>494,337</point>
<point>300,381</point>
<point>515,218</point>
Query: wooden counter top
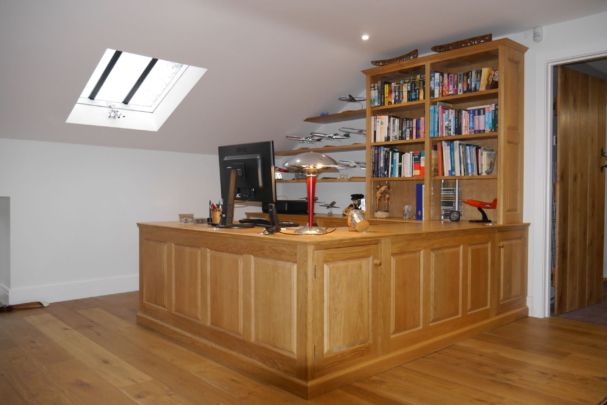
<point>341,233</point>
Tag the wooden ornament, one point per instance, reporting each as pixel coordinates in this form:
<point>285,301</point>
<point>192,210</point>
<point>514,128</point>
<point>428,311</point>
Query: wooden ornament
<point>463,43</point>
<point>410,55</point>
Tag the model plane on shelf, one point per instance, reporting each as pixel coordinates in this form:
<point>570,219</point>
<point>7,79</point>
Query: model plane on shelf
<point>318,136</point>
<point>353,131</point>
<point>331,137</point>
<point>305,139</point>
<point>329,205</point>
<point>480,205</point>
<point>351,99</point>
<point>351,164</point>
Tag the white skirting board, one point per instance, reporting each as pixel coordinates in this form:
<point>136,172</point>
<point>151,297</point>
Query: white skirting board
<point>71,291</point>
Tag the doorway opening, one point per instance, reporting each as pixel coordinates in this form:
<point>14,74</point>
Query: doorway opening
<point>577,208</point>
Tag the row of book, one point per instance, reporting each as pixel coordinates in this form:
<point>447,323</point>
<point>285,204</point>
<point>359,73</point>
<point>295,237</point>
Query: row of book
<point>385,93</point>
<point>461,159</point>
<point>390,128</point>
<point>390,162</point>
<point>449,84</point>
<point>448,121</point>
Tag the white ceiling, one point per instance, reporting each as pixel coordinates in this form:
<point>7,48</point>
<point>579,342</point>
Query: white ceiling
<point>271,63</point>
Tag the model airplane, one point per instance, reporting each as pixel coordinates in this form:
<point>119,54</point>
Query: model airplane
<point>480,205</point>
<point>305,139</point>
<point>330,137</point>
<point>353,131</point>
<point>330,205</point>
<point>351,164</point>
<point>351,99</point>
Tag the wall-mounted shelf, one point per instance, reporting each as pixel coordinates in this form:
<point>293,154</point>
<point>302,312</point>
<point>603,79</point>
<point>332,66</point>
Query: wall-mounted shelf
<point>324,149</point>
<point>342,116</point>
<point>349,180</point>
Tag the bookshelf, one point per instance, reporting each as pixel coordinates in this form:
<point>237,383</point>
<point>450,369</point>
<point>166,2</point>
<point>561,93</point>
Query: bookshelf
<point>506,181</point>
<point>324,149</point>
<point>338,117</point>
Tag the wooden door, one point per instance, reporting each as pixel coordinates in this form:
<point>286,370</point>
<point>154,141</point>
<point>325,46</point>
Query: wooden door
<point>579,190</point>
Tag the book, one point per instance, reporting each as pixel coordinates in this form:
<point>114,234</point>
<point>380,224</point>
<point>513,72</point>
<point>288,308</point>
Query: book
<point>419,201</point>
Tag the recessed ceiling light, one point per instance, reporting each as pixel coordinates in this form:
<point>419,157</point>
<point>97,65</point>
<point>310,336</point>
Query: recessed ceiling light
<point>365,37</point>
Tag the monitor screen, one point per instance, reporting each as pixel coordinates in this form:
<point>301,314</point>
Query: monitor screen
<point>250,167</point>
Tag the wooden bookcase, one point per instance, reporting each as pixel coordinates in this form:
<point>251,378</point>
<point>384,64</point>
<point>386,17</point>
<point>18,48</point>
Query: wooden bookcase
<point>507,183</point>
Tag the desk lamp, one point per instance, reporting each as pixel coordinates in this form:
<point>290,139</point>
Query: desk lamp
<point>311,163</point>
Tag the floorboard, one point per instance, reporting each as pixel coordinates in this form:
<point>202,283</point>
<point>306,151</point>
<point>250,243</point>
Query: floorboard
<point>91,351</point>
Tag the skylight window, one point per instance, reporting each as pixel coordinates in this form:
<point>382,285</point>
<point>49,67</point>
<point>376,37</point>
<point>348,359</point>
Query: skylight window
<point>138,92</point>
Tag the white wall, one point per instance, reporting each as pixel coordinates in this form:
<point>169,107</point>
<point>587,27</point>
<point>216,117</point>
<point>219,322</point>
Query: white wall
<point>74,210</point>
<point>5,258</point>
<point>566,42</point>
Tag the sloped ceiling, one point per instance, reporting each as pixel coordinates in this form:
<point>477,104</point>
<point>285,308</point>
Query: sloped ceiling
<point>271,63</point>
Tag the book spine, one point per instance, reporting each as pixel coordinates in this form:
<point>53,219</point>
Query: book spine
<point>419,201</point>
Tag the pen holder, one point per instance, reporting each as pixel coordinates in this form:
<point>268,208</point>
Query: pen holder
<point>216,216</point>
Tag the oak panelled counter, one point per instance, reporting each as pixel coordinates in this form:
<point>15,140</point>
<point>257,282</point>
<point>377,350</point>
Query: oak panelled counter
<point>313,313</point>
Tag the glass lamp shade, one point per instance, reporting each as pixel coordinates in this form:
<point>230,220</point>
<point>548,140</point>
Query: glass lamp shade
<point>311,163</point>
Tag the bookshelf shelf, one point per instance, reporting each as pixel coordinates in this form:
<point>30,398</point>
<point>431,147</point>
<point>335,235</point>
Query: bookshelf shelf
<point>324,149</point>
<point>469,97</point>
<point>342,116</point>
<point>413,105</point>
<point>486,135</point>
<point>416,178</point>
<point>481,177</point>
<point>404,142</point>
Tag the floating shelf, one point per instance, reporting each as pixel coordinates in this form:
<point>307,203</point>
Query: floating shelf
<point>327,149</point>
<point>350,180</point>
<point>342,116</point>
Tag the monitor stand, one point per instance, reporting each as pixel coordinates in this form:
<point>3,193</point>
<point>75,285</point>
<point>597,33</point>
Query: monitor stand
<point>227,216</point>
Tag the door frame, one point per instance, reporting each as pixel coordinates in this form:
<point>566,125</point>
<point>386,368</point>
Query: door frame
<point>540,152</point>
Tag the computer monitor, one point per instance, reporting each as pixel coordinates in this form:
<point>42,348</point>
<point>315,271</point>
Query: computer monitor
<point>246,173</point>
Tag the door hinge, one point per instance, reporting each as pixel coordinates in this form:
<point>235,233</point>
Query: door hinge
<point>314,271</point>
<point>314,351</point>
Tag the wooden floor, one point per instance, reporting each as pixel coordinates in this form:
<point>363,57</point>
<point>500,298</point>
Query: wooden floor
<point>91,352</point>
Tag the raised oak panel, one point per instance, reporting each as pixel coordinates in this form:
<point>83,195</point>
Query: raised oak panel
<point>512,266</point>
<point>445,283</point>
<point>187,281</point>
<point>479,276</point>
<point>274,304</point>
<point>347,296</point>
<point>225,292</point>
<point>406,294</point>
<point>154,263</point>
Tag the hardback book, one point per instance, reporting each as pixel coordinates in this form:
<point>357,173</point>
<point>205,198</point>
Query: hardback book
<point>419,201</point>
